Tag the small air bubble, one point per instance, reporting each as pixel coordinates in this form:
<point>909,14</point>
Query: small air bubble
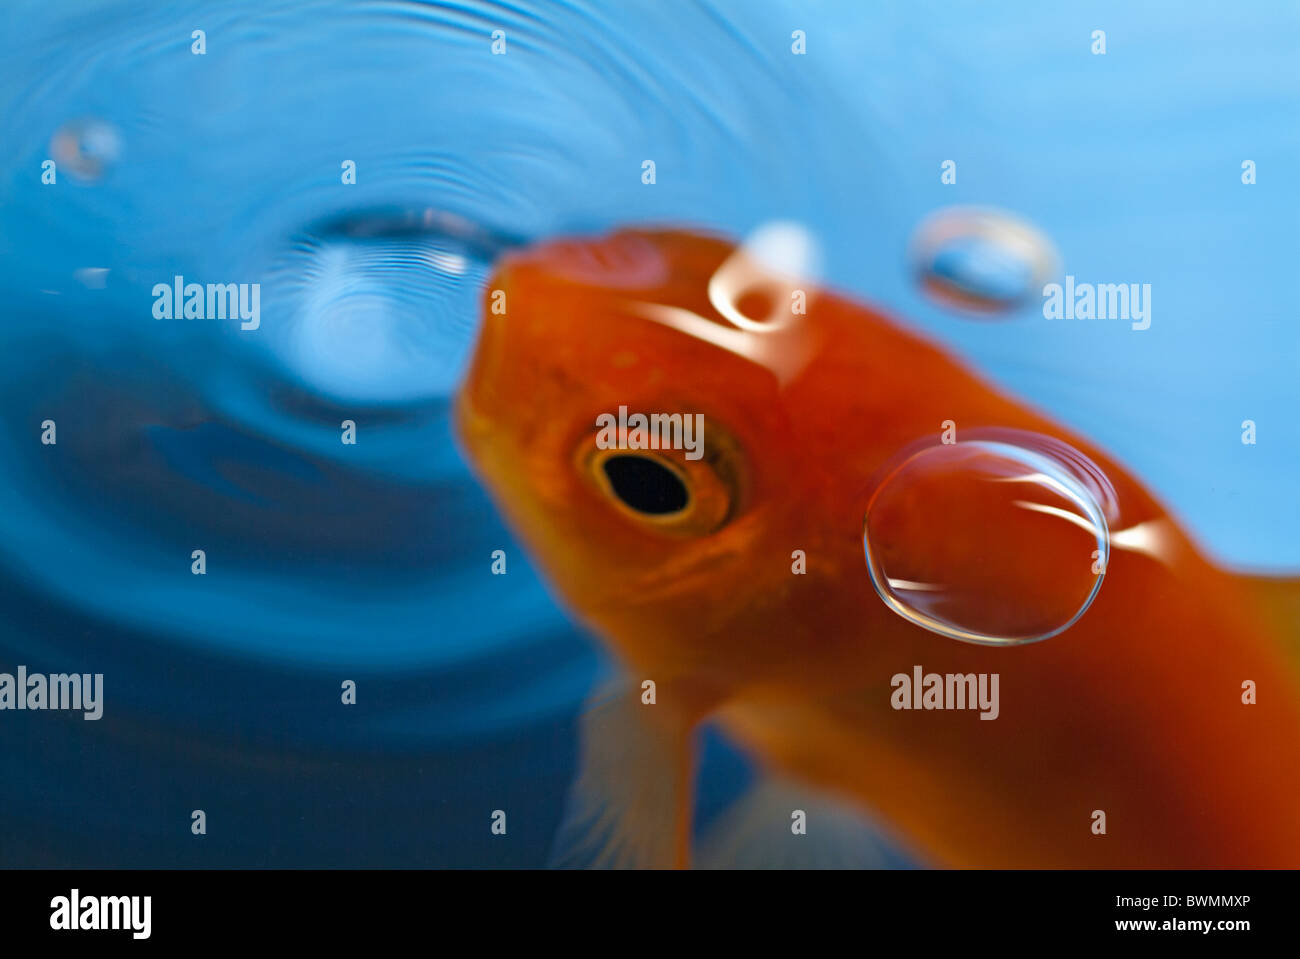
<point>981,261</point>
<point>86,148</point>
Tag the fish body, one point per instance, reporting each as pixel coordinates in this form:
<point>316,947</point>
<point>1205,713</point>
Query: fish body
<point>1135,711</point>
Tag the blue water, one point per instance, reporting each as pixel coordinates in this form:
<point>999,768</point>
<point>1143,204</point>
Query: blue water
<point>370,562</point>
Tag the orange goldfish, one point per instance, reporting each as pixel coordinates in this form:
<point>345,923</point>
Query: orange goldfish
<point>1160,729</point>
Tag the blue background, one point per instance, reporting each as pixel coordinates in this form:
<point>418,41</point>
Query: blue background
<point>371,562</point>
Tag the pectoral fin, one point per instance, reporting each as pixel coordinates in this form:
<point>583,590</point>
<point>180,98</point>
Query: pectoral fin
<point>781,824</point>
<point>630,806</point>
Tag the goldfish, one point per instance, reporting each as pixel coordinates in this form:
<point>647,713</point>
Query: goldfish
<point>1159,728</point>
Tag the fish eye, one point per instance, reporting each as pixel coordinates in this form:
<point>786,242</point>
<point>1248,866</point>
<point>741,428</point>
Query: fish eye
<point>662,490</point>
<point>645,484</point>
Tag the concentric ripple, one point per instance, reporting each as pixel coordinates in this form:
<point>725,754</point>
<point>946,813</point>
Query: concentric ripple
<point>326,560</point>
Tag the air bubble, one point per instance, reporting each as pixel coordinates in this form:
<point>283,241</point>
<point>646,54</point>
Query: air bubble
<point>86,148</point>
<point>981,261</point>
<point>1000,540</point>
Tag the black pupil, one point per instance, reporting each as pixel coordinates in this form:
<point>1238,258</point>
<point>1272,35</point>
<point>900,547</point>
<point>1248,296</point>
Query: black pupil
<point>645,484</point>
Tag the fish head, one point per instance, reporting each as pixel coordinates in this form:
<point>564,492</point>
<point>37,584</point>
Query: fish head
<point>664,547</point>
